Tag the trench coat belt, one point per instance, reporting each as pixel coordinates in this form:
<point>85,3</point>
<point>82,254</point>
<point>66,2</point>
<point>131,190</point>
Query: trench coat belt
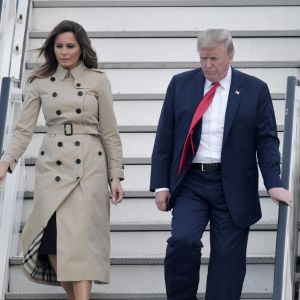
<point>71,128</point>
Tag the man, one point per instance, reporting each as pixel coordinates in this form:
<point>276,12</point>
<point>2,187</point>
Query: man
<point>204,167</point>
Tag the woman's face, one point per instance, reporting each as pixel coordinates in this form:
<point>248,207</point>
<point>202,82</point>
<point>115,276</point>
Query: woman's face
<point>67,50</point>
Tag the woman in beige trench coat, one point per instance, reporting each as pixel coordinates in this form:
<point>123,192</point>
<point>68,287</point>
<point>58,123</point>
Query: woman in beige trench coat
<point>80,154</point>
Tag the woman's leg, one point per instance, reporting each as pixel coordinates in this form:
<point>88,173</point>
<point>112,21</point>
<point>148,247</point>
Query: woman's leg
<point>82,289</point>
<point>67,285</point>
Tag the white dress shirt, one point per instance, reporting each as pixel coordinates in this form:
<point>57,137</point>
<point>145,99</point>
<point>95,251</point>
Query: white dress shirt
<point>210,147</point>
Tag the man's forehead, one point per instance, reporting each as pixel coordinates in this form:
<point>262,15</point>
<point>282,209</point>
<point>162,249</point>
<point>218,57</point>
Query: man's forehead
<point>216,49</point>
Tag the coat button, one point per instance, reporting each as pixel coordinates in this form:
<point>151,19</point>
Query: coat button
<point>77,143</point>
<point>77,178</point>
<point>58,162</point>
<point>78,161</point>
<point>59,144</point>
<point>58,112</point>
<point>78,110</point>
<point>57,178</point>
<point>80,93</point>
<point>78,84</point>
<point>99,153</point>
<point>54,94</point>
<point>42,152</point>
<point>52,78</point>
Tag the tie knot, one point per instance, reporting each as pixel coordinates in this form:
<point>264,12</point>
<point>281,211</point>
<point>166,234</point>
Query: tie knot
<point>216,84</point>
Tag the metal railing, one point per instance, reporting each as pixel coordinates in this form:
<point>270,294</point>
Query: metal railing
<point>287,234</point>
<point>11,193</point>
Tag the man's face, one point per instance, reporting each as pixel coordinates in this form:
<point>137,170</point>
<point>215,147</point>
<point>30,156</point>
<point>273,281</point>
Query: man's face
<point>215,62</point>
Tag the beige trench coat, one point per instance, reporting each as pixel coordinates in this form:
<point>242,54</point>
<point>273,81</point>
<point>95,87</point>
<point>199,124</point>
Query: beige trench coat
<point>72,173</point>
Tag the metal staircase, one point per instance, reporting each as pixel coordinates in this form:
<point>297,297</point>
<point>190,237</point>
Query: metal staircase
<point>141,44</point>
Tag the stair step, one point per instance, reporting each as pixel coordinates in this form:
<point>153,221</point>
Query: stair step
<point>162,3</point>
<point>134,194</point>
<point>144,115</point>
<point>152,244</point>
<point>185,65</point>
<point>268,225</point>
<point>145,142</point>
<point>166,18</point>
<point>121,296</point>
<point>176,33</point>
<point>156,80</point>
<point>140,278</point>
<point>144,211</point>
<point>137,177</point>
<point>184,49</point>
<point>134,129</point>
<point>159,260</point>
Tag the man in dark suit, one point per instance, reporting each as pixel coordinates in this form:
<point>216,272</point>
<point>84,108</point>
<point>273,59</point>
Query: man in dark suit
<point>205,168</point>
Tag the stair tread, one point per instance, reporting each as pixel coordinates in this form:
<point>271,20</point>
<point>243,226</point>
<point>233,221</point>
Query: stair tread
<point>161,3</point>
<point>185,65</point>
<point>176,33</point>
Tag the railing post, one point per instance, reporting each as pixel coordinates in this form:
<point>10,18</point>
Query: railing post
<point>4,97</point>
<point>287,233</point>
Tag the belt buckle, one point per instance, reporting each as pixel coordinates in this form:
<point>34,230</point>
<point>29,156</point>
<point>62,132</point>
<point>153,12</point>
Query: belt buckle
<point>68,129</point>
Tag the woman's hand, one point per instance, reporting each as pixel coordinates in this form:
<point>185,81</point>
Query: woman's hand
<point>117,191</point>
<point>3,171</point>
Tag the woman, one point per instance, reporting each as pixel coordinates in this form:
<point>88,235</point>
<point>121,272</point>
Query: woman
<point>66,239</point>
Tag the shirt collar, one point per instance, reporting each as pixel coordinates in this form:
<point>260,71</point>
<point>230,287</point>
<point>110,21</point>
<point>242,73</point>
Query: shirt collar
<point>224,83</point>
<point>61,72</point>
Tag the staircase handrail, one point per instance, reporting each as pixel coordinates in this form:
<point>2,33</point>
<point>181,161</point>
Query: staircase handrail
<point>287,234</point>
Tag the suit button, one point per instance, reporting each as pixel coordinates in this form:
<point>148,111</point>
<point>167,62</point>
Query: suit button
<point>77,143</point>
<point>58,112</point>
<point>52,78</point>
<point>54,94</point>
<point>78,110</point>
<point>99,153</point>
<point>80,93</point>
<point>42,152</point>
<point>78,161</point>
<point>58,162</point>
<point>57,178</point>
<point>59,144</point>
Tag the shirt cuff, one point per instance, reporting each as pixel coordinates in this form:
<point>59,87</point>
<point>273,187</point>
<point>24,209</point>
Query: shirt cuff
<point>160,190</point>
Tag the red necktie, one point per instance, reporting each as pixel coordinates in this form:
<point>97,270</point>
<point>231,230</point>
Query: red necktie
<point>201,109</point>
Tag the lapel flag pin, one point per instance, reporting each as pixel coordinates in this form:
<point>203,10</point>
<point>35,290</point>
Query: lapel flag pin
<point>237,92</point>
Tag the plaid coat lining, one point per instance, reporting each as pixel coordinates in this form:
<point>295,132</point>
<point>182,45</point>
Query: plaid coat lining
<point>35,268</point>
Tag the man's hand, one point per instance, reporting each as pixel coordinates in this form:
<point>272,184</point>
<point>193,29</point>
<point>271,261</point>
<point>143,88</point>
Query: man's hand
<point>117,191</point>
<point>3,171</point>
<point>279,194</point>
<point>162,200</point>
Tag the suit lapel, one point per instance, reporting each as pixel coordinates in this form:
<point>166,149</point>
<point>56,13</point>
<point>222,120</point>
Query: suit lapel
<point>234,98</point>
<point>197,91</point>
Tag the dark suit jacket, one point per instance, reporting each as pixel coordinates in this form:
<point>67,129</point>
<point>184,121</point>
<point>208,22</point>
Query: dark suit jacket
<point>250,136</point>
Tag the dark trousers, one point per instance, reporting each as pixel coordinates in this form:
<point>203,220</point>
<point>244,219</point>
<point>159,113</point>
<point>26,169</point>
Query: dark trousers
<point>200,200</point>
